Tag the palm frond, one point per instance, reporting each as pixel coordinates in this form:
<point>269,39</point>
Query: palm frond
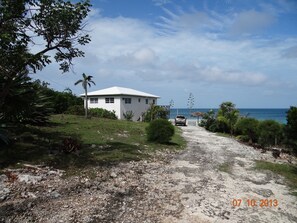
<point>77,82</point>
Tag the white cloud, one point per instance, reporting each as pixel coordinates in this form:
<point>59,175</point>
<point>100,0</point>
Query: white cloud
<point>193,21</point>
<point>290,52</point>
<point>125,47</point>
<point>249,22</point>
<point>130,51</point>
<point>161,2</point>
<point>145,56</point>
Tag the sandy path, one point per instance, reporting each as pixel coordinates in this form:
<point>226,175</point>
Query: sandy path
<point>206,193</point>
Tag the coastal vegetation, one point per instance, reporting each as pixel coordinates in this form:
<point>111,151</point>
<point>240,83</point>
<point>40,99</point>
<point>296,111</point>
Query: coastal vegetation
<point>265,133</point>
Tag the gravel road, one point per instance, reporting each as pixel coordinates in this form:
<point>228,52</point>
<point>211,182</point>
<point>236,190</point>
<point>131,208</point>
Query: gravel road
<point>216,182</point>
<point>212,180</point>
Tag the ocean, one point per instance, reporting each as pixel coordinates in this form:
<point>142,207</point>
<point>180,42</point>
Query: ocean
<point>277,114</point>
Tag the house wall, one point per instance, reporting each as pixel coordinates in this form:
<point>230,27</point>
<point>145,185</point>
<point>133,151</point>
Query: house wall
<point>138,105</point>
<point>108,106</point>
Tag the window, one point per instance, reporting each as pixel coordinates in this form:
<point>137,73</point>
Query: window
<point>146,101</point>
<point>154,102</point>
<point>94,100</point>
<point>109,100</point>
<point>139,100</point>
<point>127,100</point>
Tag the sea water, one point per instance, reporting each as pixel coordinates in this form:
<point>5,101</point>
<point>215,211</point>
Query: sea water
<point>277,114</point>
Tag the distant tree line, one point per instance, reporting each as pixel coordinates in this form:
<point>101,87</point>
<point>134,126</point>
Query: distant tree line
<point>263,133</point>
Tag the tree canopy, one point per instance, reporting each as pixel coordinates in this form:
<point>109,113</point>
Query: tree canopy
<point>33,34</point>
<point>53,25</point>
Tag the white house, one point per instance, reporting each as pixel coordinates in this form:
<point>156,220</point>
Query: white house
<point>121,100</point>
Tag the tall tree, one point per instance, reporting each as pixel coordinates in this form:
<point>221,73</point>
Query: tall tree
<point>55,27</point>
<point>86,81</point>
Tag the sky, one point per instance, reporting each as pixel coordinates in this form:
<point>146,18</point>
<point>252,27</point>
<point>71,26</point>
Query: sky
<point>243,51</point>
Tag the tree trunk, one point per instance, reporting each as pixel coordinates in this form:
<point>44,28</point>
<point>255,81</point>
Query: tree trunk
<point>86,103</point>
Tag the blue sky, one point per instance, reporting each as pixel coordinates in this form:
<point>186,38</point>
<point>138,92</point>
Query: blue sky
<point>244,51</point>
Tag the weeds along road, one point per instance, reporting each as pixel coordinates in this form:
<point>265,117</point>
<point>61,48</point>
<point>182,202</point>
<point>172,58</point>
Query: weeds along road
<point>215,181</point>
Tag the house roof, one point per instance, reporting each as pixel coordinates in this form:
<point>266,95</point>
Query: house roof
<point>120,91</point>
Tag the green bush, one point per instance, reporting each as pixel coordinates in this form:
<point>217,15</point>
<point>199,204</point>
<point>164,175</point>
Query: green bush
<point>222,124</point>
<point>102,113</point>
<point>291,128</point>
<point>128,115</point>
<point>243,138</point>
<point>160,130</point>
<point>227,117</point>
<point>76,110</point>
<point>247,127</point>
<point>209,121</point>
<point>270,133</point>
<point>155,112</point>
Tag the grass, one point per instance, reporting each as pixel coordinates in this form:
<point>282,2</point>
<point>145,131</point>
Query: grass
<point>103,142</point>
<point>225,167</point>
<point>223,134</point>
<point>286,170</point>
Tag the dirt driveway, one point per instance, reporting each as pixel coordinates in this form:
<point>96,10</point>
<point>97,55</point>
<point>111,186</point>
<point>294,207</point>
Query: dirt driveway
<point>213,180</point>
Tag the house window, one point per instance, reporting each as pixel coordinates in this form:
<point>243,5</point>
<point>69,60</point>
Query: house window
<point>94,100</point>
<point>146,101</point>
<point>127,100</point>
<point>109,100</point>
<point>154,101</point>
<point>139,100</point>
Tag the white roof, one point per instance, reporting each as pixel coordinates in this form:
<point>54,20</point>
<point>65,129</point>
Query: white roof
<point>120,91</point>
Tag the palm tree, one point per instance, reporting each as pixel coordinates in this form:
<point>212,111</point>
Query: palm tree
<point>87,80</point>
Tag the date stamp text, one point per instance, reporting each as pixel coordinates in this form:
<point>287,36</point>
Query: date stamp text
<point>255,202</point>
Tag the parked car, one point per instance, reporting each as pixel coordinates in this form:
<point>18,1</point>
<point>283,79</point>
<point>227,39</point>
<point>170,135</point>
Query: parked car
<point>180,120</point>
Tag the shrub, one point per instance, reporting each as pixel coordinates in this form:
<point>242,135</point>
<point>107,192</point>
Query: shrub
<point>102,113</point>
<point>76,110</point>
<point>222,124</point>
<point>209,121</point>
<point>291,128</point>
<point>270,133</point>
<point>243,138</point>
<point>160,130</point>
<point>128,115</point>
<point>155,112</point>
<point>227,117</point>
<point>247,127</point>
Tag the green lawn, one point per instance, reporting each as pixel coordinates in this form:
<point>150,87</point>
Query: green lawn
<point>103,142</point>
